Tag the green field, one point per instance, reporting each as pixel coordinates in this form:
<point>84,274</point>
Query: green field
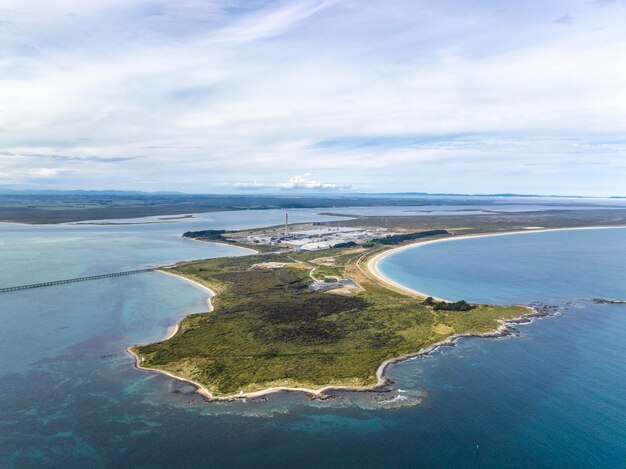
<point>268,328</point>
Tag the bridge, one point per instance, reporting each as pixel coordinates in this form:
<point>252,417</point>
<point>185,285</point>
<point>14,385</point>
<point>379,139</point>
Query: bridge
<point>76,280</point>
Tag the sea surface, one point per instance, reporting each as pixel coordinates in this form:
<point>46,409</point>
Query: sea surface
<point>70,396</point>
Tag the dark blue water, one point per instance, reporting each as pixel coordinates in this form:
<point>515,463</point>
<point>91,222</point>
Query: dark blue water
<point>69,395</point>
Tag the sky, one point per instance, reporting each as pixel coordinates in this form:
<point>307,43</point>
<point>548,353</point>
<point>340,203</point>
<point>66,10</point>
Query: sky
<point>236,96</point>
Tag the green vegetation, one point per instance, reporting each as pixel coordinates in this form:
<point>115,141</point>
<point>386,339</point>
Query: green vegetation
<point>401,238</point>
<point>269,329</point>
<point>448,306</point>
<point>206,235</point>
<point>322,271</point>
<point>349,244</point>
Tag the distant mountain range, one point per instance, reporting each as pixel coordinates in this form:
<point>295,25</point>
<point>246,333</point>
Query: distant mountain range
<point>83,192</point>
<point>326,194</point>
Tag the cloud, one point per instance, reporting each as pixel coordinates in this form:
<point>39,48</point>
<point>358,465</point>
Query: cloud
<point>357,93</point>
<point>37,173</point>
<point>294,183</point>
<point>44,172</point>
<point>98,159</point>
<point>301,182</point>
<point>171,147</point>
<point>565,19</point>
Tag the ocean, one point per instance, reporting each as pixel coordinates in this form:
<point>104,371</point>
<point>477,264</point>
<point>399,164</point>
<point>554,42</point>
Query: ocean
<point>70,396</point>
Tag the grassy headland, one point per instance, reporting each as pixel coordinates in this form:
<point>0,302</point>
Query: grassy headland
<point>269,329</point>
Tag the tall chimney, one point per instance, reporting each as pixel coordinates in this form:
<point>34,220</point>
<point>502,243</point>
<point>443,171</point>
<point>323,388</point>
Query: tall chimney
<point>286,225</point>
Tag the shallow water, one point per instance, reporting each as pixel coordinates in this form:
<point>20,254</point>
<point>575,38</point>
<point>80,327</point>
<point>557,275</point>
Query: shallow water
<point>70,396</point>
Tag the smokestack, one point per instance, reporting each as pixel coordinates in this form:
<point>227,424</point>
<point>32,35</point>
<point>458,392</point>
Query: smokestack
<point>286,225</point>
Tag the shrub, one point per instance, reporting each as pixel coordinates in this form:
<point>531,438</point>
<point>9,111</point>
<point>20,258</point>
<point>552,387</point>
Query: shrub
<point>205,234</point>
<point>456,306</point>
<point>397,239</point>
<point>349,244</point>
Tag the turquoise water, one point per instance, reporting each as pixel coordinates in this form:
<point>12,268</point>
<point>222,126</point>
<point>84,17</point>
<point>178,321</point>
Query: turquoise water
<point>517,268</point>
<point>69,395</point>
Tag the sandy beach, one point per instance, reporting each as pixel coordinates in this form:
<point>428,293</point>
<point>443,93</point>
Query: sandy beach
<point>373,267</point>
<point>172,331</point>
<point>197,284</point>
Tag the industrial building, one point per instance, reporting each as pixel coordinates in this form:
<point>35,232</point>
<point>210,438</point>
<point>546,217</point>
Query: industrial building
<point>322,237</point>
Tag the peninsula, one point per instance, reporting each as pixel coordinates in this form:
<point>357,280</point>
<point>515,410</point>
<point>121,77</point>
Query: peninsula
<point>309,321</point>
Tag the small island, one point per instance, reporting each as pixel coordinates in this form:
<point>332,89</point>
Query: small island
<point>309,321</point>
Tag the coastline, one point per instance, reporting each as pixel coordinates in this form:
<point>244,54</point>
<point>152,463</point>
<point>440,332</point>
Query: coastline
<point>172,331</point>
<point>223,243</point>
<point>208,395</point>
<point>372,264</point>
<point>192,282</point>
<point>504,329</point>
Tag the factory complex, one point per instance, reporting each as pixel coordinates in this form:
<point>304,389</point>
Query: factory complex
<point>322,237</point>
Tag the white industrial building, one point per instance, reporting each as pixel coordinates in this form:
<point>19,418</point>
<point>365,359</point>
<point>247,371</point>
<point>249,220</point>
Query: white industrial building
<point>323,237</point>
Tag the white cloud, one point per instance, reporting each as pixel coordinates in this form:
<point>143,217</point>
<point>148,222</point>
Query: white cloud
<point>218,91</point>
<point>294,183</point>
<point>32,174</point>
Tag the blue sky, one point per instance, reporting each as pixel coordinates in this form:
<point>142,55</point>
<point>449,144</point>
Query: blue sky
<point>314,95</point>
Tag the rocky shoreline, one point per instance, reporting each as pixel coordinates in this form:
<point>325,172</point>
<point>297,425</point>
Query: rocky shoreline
<point>505,329</point>
<point>384,385</point>
<point>608,301</point>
